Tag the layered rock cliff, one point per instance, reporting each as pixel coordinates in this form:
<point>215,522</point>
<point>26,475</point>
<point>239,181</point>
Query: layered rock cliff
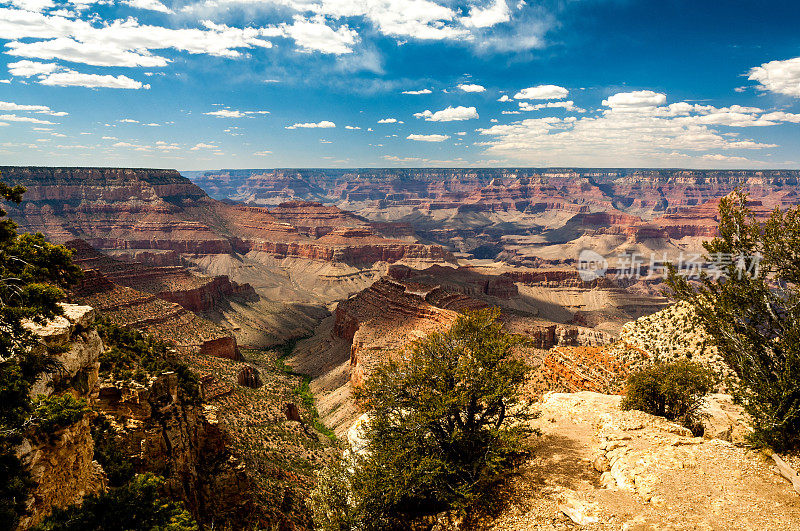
<point>156,213</point>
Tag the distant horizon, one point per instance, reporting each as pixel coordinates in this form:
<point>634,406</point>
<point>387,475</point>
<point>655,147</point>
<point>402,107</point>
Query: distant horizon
<point>466,168</point>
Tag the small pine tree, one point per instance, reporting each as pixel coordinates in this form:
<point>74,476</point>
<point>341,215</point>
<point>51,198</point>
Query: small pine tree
<point>752,314</point>
<point>445,423</point>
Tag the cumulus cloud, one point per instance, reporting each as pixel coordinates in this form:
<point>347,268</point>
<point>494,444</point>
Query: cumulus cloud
<point>120,42</point>
<point>567,105</point>
<point>484,17</point>
<point>90,53</point>
<point>504,97</point>
<point>203,145</point>
<point>542,92</point>
<point>780,77</point>
<point>311,125</point>
<point>232,113</point>
<point>635,99</point>
<point>314,35</point>
<point>466,87</point>
<point>450,114</point>
<point>428,138</point>
<point>30,68</point>
<point>28,119</point>
<point>389,121</point>
<point>150,5</point>
<point>39,109</point>
<point>352,127</point>
<point>635,129</point>
<point>58,76</point>
<point>417,92</point>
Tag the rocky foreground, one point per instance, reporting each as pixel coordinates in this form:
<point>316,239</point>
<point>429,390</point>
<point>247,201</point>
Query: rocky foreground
<point>596,467</point>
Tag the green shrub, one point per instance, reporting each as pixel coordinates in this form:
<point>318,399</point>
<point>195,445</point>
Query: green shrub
<point>118,468</point>
<point>673,390</point>
<point>136,506</point>
<point>55,412</point>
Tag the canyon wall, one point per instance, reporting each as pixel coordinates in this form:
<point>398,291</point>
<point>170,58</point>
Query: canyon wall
<point>153,423</point>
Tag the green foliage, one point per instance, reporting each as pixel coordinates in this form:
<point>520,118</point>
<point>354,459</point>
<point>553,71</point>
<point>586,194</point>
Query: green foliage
<point>32,273</point>
<point>15,483</point>
<point>54,412</point>
<point>445,423</point>
<point>107,452</point>
<point>130,355</point>
<point>303,390</point>
<point>136,506</point>
<point>752,313</point>
<point>333,501</point>
<point>673,390</point>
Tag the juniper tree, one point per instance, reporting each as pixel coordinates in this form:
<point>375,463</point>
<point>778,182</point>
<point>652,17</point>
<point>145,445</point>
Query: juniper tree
<point>444,424</point>
<point>752,313</point>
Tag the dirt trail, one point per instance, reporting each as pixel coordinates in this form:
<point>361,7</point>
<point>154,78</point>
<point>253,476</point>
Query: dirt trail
<point>610,469</point>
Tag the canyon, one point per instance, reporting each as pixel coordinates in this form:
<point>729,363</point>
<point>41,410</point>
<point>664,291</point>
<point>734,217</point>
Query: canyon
<point>526,216</point>
<point>278,285</point>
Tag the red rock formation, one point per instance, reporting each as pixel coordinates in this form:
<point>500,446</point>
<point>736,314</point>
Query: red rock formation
<point>158,215</point>
<point>170,283</point>
<point>165,320</point>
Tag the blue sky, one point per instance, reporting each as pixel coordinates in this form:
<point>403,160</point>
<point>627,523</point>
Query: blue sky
<point>205,84</point>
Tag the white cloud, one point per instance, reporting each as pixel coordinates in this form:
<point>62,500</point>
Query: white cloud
<point>428,138</point>
<point>16,118</point>
<point>781,77</point>
<point>542,92</point>
<point>70,78</point>
<point>314,35</point>
<point>417,92</point>
<point>472,88</point>
<point>637,129</point>
<point>91,53</point>
<point>128,121</point>
<point>450,114</point>
<point>504,97</point>
<point>120,42</point>
<point>567,105</point>
<point>262,153</point>
<point>352,127</point>
<point>635,99</point>
<point>418,19</point>
<point>151,5</point>
<point>203,145</point>
<point>231,113</point>
<point>59,76</point>
<point>31,68</point>
<point>495,13</point>
<point>389,121</point>
<point>39,109</point>
<point>311,125</point>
